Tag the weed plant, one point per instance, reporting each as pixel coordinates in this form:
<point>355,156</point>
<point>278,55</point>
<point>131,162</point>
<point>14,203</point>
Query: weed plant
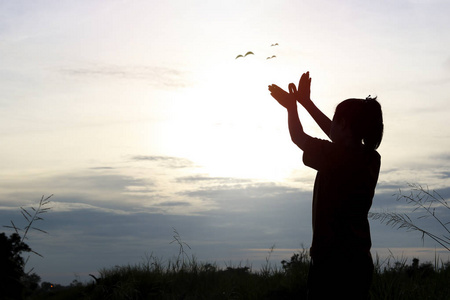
<point>31,215</point>
<point>15,283</point>
<point>416,281</point>
<point>431,204</point>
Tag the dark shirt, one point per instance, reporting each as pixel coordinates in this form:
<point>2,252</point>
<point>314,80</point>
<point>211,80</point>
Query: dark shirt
<point>343,193</point>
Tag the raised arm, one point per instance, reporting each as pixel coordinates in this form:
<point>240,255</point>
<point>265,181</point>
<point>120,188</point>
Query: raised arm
<point>288,100</point>
<point>304,98</point>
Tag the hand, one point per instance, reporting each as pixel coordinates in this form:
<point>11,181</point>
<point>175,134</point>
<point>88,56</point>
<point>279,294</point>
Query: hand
<point>287,100</point>
<point>304,89</point>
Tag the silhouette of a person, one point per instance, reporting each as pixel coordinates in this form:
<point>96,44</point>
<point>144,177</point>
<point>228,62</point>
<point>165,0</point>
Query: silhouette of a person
<point>347,173</point>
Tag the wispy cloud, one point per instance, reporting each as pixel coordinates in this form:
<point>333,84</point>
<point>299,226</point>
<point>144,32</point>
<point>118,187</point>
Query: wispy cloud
<point>83,188</point>
<point>175,203</point>
<point>247,197</point>
<point>447,64</point>
<point>166,161</point>
<point>209,179</point>
<point>162,77</point>
<point>57,206</point>
<point>442,157</point>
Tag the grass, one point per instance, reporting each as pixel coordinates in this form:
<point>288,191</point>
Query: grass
<point>156,279</point>
<point>153,279</point>
<point>415,281</point>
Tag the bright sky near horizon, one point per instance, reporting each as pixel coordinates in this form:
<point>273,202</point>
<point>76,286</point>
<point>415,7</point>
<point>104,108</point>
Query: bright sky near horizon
<point>136,114</point>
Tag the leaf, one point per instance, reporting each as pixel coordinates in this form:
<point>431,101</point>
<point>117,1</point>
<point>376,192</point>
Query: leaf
<point>40,230</point>
<point>25,216</point>
<point>24,210</point>
<point>15,227</point>
<point>37,253</point>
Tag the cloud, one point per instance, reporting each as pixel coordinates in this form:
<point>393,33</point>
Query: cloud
<point>249,190</point>
<point>444,175</point>
<point>443,157</point>
<point>162,77</point>
<point>207,178</point>
<point>57,206</point>
<point>106,189</point>
<point>433,173</point>
<point>95,182</point>
<point>254,200</point>
<point>447,64</point>
<point>175,203</point>
<point>166,161</point>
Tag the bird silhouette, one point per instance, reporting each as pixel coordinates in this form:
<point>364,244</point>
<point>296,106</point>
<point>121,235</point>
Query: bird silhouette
<point>270,57</point>
<point>276,44</point>
<point>248,53</point>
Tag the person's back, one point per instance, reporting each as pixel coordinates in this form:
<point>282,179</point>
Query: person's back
<point>343,193</point>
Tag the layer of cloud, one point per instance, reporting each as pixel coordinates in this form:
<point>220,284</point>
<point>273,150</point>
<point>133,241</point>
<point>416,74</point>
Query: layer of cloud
<point>161,77</point>
<point>447,64</point>
<point>206,178</point>
<point>166,161</point>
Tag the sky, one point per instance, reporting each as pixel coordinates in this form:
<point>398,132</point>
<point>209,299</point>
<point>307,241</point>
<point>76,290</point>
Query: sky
<point>139,119</point>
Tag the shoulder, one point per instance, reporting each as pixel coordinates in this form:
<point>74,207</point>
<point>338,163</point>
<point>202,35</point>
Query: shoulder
<point>314,143</point>
<point>319,153</point>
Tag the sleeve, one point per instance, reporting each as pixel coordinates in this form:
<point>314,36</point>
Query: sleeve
<point>318,154</point>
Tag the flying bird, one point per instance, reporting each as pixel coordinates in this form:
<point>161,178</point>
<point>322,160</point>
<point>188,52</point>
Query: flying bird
<point>276,44</point>
<point>248,53</point>
<point>270,57</point>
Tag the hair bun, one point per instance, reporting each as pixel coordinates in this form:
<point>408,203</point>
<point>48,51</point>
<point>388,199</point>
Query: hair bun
<point>373,122</point>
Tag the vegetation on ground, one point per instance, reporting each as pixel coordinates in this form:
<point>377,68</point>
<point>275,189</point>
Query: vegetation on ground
<point>156,279</point>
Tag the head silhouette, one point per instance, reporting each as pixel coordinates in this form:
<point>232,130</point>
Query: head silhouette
<point>363,120</point>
